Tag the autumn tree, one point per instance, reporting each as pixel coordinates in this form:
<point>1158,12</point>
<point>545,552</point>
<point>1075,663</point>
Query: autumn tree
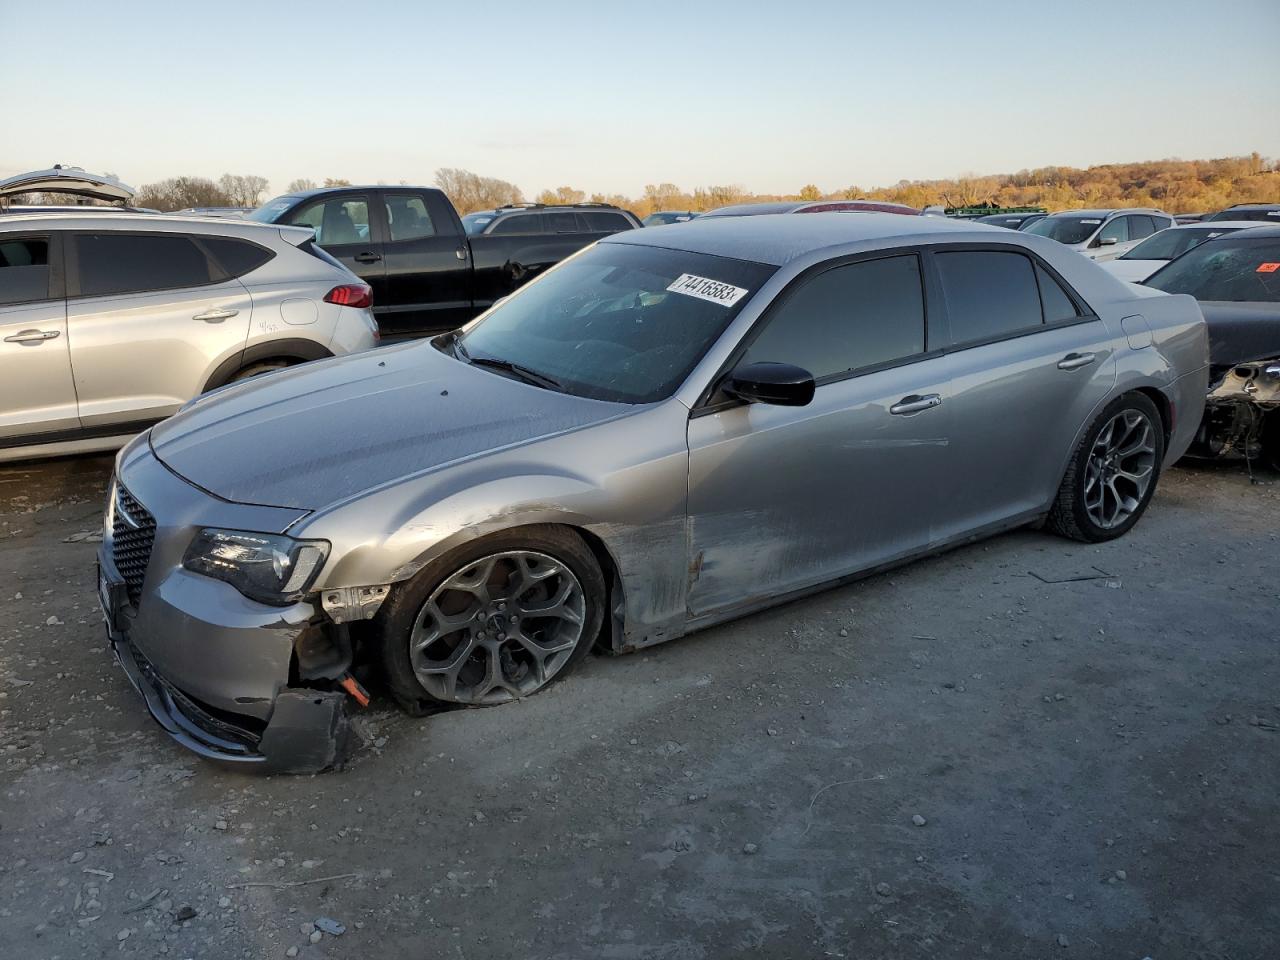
<point>177,193</point>
<point>336,182</point>
<point>561,195</point>
<point>470,192</point>
<point>810,192</point>
<point>301,185</point>
<point>243,191</point>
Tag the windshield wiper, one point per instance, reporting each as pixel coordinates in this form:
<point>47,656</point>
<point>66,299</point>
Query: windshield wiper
<point>523,373</point>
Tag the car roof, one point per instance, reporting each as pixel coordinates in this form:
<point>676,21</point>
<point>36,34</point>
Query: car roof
<point>1215,225</point>
<point>1251,206</point>
<point>779,238</point>
<point>1255,232</point>
<point>751,209</point>
<point>126,221</point>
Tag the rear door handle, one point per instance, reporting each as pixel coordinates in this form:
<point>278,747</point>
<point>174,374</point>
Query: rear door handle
<point>1074,361</point>
<point>367,257</point>
<point>915,403</point>
<point>32,336</point>
<point>216,315</point>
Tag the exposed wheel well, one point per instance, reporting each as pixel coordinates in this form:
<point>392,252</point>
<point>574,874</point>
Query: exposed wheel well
<point>1164,408</point>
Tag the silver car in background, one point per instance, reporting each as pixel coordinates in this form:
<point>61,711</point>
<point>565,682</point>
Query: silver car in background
<point>677,426</point>
<point>111,322</point>
<point>1101,234</point>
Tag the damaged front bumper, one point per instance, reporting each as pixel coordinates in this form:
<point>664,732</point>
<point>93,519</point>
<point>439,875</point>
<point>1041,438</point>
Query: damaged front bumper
<point>227,677</point>
<point>305,730</point>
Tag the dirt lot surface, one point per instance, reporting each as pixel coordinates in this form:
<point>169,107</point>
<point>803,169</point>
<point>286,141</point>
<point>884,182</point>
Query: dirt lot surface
<point>956,759</point>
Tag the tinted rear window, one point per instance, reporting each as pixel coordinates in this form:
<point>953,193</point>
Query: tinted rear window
<point>1264,215</point>
<point>236,257</point>
<point>111,263</point>
<point>24,270</point>
<point>599,221</point>
<point>989,293</point>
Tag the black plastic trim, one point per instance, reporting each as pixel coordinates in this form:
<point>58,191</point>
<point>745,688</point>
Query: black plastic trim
<point>293,349</point>
<point>125,429</point>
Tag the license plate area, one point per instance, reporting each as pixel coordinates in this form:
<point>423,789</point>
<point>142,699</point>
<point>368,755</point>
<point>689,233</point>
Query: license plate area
<point>111,599</point>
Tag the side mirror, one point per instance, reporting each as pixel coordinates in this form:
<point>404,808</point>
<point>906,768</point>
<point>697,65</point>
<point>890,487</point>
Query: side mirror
<point>1107,241</point>
<point>781,384</point>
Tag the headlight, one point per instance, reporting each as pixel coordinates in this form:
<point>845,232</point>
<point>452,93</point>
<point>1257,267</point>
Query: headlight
<point>263,566</point>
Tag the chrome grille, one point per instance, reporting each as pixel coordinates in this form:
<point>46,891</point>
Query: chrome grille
<point>133,533</point>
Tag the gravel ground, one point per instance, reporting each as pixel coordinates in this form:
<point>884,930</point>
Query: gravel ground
<point>956,759</point>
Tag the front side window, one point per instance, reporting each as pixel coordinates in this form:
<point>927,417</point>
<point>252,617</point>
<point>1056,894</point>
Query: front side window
<point>617,322</point>
<point>1117,230</point>
<point>846,318</point>
<point>407,218</point>
<point>24,270</point>
<point>990,294</point>
<point>1068,230</point>
<point>1234,268</point>
<point>342,220</point>
<point>113,263</point>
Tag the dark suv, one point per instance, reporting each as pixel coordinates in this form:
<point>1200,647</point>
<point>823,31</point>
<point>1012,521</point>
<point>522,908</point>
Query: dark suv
<point>533,218</point>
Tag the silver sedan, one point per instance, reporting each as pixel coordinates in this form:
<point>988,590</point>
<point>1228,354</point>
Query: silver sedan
<point>675,427</point>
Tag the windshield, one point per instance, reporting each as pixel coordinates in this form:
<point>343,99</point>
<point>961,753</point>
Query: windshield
<point>1066,229</point>
<point>474,223</point>
<point>1236,269</point>
<point>1263,214</point>
<point>657,219</point>
<point>617,322</point>
<point>1168,244</point>
<point>272,210</point>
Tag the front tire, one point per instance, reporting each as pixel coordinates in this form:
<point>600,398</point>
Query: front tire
<point>494,621</point>
<point>1112,474</point>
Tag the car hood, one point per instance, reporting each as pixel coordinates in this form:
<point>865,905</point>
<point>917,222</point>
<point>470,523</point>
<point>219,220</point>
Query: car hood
<point>313,435</point>
<point>1241,332</point>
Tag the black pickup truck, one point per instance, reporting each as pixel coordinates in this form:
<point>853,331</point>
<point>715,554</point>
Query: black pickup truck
<point>428,274</point>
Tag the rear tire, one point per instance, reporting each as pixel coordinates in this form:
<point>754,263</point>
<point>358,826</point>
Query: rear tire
<point>258,369</point>
<point>494,621</point>
<point>1112,474</point>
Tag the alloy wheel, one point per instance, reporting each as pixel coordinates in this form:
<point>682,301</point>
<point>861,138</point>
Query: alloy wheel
<point>497,629</point>
<point>1121,467</point>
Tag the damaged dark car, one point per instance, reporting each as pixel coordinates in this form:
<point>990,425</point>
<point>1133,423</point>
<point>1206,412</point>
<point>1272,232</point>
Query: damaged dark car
<point>1237,281</point>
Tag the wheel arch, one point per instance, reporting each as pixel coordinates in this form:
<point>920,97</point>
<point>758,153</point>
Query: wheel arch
<point>295,350</point>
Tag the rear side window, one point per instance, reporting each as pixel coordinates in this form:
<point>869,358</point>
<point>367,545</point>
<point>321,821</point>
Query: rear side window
<point>236,257</point>
<point>561,222</point>
<point>989,293</point>
<point>407,218</point>
<point>602,222</point>
<point>520,223</point>
<point>24,270</point>
<point>1057,304</point>
<point>1141,227</point>
<point>110,263</point>
<point>846,318</point>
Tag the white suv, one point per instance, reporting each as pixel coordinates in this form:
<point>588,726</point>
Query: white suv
<point>111,322</point>
<point>1101,234</point>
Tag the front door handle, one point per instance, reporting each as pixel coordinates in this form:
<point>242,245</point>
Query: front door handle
<point>216,315</point>
<point>1074,361</point>
<point>915,403</point>
<point>32,336</point>
<point>367,257</point>
<point>461,253</point>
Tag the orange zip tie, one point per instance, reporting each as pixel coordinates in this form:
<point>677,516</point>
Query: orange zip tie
<point>352,686</point>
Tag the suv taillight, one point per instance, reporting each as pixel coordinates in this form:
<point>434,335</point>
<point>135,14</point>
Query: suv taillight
<point>351,295</point>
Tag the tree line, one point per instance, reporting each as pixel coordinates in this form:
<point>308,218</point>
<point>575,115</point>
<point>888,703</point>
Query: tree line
<point>1176,186</point>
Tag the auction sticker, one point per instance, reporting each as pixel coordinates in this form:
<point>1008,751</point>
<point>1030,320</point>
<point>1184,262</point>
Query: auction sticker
<point>1268,267</point>
<point>725,294</point>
